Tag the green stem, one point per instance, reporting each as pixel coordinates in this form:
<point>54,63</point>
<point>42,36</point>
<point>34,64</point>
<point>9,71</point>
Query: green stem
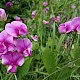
<point>15,77</point>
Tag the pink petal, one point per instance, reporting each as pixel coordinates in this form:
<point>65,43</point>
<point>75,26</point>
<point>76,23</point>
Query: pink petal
<point>75,23</point>
<point>62,28</point>
<point>27,52</point>
<point>13,58</point>
<point>68,26</point>
<point>12,30</point>
<point>12,69</point>
<point>78,29</point>
<point>35,38</point>
<point>23,30</point>
<point>16,28</point>
<point>57,19</point>
<point>18,59</point>
<point>44,4</point>
<point>17,18</point>
<point>27,43</point>
<point>2,15</point>
<point>19,45</point>
<point>65,27</point>
<point>3,48</point>
<point>7,40</point>
<point>3,35</point>
<point>45,22</point>
<point>7,58</point>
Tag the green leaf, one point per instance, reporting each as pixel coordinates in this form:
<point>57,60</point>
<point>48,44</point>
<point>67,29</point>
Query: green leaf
<point>76,54</point>
<point>35,45</point>
<point>49,58</point>
<point>61,39</point>
<point>22,71</point>
<point>64,73</point>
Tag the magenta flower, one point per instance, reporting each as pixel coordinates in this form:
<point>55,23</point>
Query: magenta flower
<point>24,46</point>
<point>2,15</point>
<point>33,14</point>
<point>76,24</point>
<point>35,38</point>
<point>65,27</point>
<point>6,43</point>
<point>12,59</point>
<point>17,18</point>
<point>57,19</point>
<point>8,5</point>
<point>16,28</point>
<point>44,4</point>
<point>45,22</point>
<point>46,10</point>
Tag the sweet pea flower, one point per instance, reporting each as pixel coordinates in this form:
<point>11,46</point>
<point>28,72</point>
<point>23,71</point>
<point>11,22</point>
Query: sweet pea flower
<point>45,22</point>
<point>6,43</point>
<point>12,59</point>
<point>24,46</point>
<point>16,28</point>
<point>44,4</point>
<point>76,24</point>
<point>57,19</point>
<point>8,5</point>
<point>33,14</point>
<point>2,15</point>
<point>65,27</point>
<point>46,10</point>
<point>35,38</point>
<point>17,18</point>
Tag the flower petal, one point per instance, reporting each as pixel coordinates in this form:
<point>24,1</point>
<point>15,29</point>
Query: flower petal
<point>75,23</point>
<point>35,38</point>
<point>12,69</point>
<point>27,43</point>
<point>62,28</point>
<point>23,30</point>
<point>28,52</point>
<point>7,58</point>
<point>19,45</point>
<point>18,59</point>
<point>11,30</point>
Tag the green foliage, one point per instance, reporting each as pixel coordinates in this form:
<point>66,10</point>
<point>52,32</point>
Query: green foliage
<point>50,59</point>
<point>22,71</point>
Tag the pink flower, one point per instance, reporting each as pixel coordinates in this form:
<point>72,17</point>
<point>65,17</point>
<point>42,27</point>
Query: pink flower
<point>16,28</point>
<point>65,27</point>
<point>76,24</point>
<point>33,13</point>
<point>24,46</point>
<point>17,18</point>
<point>6,43</point>
<point>2,15</point>
<point>12,59</point>
<point>73,6</point>
<point>44,4</point>
<point>8,5</point>
<point>35,38</point>
<point>46,10</point>
<point>57,19</point>
<point>45,22</point>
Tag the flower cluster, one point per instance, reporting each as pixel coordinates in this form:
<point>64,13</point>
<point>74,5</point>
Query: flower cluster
<point>13,48</point>
<point>70,26</point>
